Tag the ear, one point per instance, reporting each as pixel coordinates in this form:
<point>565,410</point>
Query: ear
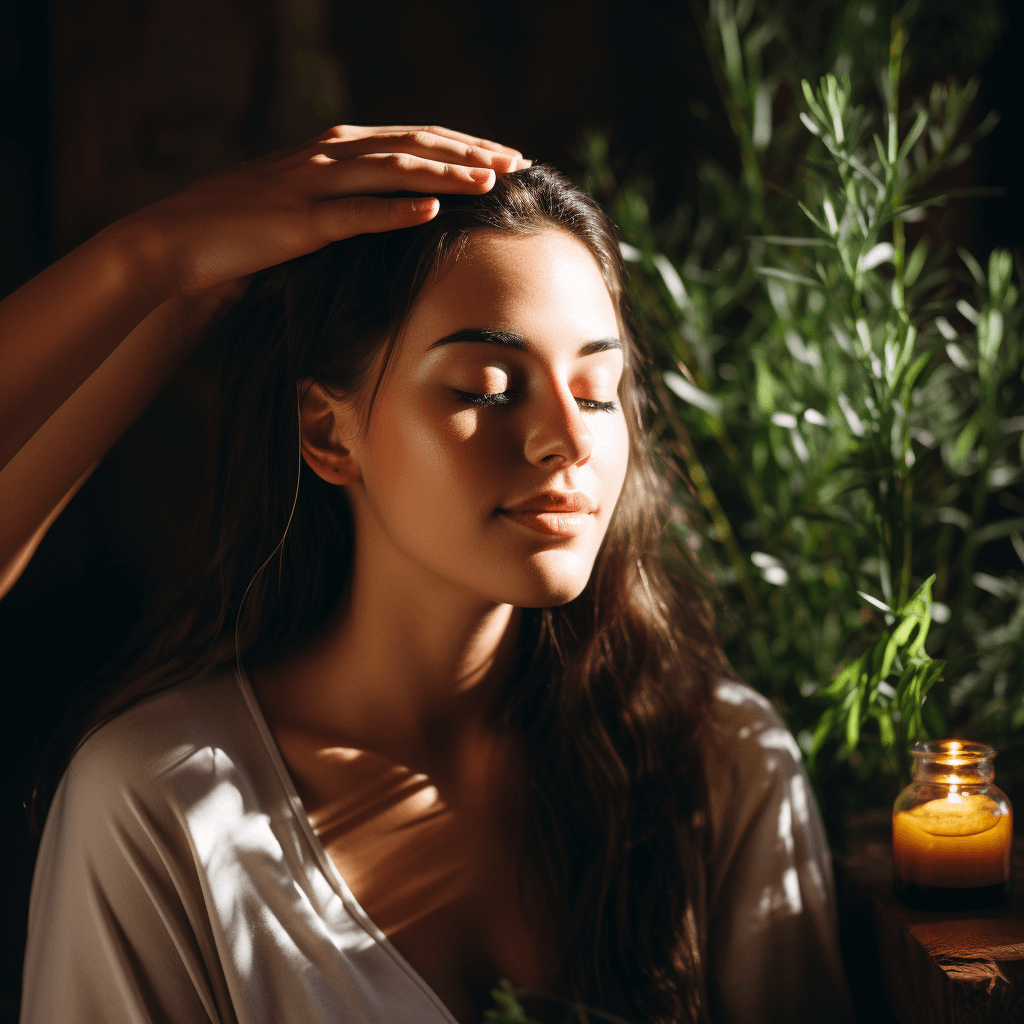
<point>326,427</point>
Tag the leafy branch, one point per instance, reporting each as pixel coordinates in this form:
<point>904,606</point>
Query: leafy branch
<point>842,396</point>
<point>860,691</point>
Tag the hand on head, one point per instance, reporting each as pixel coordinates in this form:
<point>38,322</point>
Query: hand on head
<point>88,343</point>
<point>275,208</point>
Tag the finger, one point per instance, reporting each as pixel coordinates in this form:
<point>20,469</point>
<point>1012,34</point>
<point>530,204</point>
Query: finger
<point>448,133</point>
<point>476,141</point>
<point>356,215</point>
<point>404,172</point>
<point>419,142</point>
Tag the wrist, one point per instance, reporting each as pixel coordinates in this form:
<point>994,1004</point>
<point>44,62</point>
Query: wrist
<point>139,255</point>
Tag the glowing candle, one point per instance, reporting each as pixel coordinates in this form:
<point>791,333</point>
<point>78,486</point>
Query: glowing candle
<point>952,830</point>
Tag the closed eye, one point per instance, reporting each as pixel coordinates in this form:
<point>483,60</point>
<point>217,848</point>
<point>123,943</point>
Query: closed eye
<point>507,397</point>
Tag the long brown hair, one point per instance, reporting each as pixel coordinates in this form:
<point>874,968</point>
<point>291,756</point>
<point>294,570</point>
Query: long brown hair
<point>611,689</point>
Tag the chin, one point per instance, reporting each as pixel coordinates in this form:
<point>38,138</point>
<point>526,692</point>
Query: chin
<point>549,586</point>
<point>555,599</point>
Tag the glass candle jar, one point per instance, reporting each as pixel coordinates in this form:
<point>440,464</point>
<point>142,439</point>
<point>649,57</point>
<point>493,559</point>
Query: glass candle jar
<point>952,830</point>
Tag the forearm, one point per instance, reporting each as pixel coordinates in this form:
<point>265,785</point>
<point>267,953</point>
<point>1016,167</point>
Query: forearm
<point>60,326</point>
<point>36,483</point>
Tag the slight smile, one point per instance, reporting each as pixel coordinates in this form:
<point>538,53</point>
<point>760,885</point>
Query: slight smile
<point>552,524</point>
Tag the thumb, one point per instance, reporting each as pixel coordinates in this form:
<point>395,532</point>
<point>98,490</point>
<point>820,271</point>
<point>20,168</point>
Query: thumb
<point>357,215</point>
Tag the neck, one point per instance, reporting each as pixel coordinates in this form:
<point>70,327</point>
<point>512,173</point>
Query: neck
<point>411,672</point>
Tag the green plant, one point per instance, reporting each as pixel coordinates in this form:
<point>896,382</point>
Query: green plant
<point>509,1009</point>
<point>840,408</point>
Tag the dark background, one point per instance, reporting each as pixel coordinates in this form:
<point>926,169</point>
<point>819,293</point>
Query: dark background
<point>108,104</point>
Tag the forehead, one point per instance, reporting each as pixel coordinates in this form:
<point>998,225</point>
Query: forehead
<point>543,286</point>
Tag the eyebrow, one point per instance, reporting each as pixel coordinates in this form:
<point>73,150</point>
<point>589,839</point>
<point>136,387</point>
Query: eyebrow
<point>511,339</point>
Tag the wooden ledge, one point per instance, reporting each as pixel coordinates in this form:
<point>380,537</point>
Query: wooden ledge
<point>930,967</point>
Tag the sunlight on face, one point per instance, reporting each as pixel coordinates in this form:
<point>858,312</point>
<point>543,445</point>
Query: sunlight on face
<point>498,417</point>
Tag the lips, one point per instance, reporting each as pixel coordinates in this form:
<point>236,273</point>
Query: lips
<point>553,513</point>
<point>555,501</point>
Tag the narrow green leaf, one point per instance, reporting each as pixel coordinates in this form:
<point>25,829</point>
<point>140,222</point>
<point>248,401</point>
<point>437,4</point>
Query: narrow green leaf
<point>850,675</point>
<point>899,637</point>
<point>934,674</point>
<point>878,655</point>
<point>788,275</point>
<point>964,444</point>
<point>1000,528</point>
<point>972,265</point>
<point>915,262</point>
<point>886,729</point>
<point>790,240</point>
<point>990,337</point>
<point>862,168</point>
<point>901,686</point>
<point>812,101</point>
<point>823,729</point>
<point>731,50</point>
<point>913,371</point>
<point>883,157</point>
<point>853,721</point>
<point>913,135</point>
<point>1000,267</point>
<point>816,221</point>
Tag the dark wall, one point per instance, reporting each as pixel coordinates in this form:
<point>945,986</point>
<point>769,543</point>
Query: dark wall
<point>999,159</point>
<point>108,104</point>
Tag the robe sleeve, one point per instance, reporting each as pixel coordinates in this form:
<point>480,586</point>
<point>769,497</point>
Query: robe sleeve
<point>772,942</point>
<point>115,932</point>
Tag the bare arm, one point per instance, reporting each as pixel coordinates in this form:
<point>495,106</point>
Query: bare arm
<point>56,329</point>
<point>37,484</point>
<point>87,344</point>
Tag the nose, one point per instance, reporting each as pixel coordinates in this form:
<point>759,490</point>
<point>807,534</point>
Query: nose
<point>557,434</point>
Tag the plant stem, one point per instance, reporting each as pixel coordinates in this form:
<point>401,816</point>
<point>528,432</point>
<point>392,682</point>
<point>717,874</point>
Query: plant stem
<point>908,535</point>
<point>737,119</point>
<point>895,58</point>
<point>899,245</point>
<point>898,235</point>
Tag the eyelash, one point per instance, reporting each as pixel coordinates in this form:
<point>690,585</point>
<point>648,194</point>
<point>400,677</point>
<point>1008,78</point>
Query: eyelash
<point>505,398</point>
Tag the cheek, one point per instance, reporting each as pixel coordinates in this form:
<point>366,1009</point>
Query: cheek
<point>435,478</point>
<point>430,470</point>
<point>610,456</point>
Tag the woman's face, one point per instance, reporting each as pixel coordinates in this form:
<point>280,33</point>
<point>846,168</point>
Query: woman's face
<point>497,448</point>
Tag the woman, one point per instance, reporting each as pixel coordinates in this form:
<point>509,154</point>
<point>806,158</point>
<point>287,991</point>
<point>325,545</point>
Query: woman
<point>424,707</point>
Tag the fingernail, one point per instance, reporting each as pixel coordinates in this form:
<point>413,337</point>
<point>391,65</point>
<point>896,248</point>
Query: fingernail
<point>420,205</point>
<point>480,173</point>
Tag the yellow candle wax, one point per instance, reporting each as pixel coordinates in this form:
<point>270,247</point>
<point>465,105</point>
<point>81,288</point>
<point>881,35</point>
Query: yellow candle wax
<point>957,841</point>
